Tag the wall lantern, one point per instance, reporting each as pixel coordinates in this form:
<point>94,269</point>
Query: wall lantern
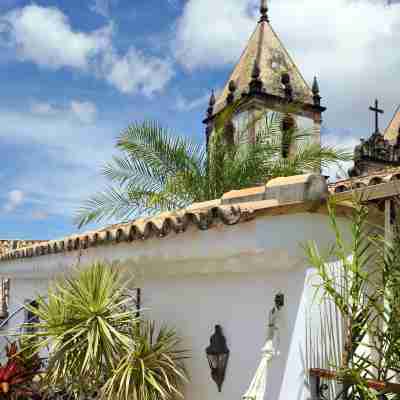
<point>218,355</point>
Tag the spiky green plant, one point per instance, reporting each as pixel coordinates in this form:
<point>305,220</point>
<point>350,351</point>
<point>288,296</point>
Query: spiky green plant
<point>360,339</point>
<point>83,326</point>
<point>89,329</point>
<point>152,369</point>
<point>159,171</point>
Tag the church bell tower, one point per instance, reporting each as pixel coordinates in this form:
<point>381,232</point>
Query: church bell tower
<point>266,80</point>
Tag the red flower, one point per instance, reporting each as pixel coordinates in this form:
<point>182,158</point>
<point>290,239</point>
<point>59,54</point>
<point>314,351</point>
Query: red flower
<point>16,376</point>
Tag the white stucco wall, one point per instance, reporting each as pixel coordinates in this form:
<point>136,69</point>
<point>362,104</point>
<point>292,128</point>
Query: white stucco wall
<point>227,276</point>
<point>240,304</point>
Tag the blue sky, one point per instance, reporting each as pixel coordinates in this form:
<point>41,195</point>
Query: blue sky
<point>74,74</point>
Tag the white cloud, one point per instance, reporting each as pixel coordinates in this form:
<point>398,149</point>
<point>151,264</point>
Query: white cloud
<point>14,200</point>
<point>218,42</point>
<point>351,45</point>
<point>45,37</point>
<point>85,111</point>
<point>67,169</point>
<point>135,72</point>
<point>342,140</point>
<point>324,32</point>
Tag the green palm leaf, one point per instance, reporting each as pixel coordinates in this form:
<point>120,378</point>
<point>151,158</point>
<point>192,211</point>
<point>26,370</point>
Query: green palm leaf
<point>158,171</point>
<point>152,369</point>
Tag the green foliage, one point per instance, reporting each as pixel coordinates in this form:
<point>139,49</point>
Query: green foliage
<point>152,369</point>
<point>363,285</point>
<point>158,171</point>
<point>95,342</point>
<point>83,323</point>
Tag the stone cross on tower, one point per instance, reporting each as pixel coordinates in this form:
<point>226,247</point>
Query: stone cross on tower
<point>377,111</point>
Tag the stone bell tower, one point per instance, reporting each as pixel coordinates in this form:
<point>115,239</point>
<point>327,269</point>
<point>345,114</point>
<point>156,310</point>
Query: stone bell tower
<point>266,80</point>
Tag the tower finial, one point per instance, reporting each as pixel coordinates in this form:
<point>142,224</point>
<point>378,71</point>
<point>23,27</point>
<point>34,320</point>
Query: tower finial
<point>211,104</point>
<point>256,84</point>
<point>264,11</point>
<point>315,91</point>
<point>232,88</point>
<point>212,98</point>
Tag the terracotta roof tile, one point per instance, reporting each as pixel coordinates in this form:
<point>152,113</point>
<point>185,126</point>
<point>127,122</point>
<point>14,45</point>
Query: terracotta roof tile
<point>384,176</point>
<point>207,215</point>
<point>9,245</point>
<point>246,205</point>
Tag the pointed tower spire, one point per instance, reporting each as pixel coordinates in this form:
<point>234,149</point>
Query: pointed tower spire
<point>266,79</point>
<point>264,11</point>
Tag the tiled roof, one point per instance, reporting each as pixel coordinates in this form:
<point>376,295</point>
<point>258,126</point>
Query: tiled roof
<point>279,196</point>
<point>273,60</point>
<point>384,176</point>
<point>8,245</point>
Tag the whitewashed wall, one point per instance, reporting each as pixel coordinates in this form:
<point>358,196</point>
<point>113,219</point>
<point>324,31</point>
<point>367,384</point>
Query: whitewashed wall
<point>227,276</point>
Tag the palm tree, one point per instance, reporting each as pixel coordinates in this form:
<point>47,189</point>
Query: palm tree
<point>158,171</point>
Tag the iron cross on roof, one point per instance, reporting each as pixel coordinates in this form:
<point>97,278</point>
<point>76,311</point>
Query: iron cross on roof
<point>377,111</point>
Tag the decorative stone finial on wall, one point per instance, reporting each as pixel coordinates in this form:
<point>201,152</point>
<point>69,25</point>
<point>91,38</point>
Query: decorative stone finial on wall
<point>211,104</point>
<point>315,90</point>
<point>256,84</point>
<point>287,86</point>
<point>232,88</point>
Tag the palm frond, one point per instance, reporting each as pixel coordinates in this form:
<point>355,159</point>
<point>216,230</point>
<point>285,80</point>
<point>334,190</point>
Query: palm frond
<point>152,369</point>
<point>158,171</point>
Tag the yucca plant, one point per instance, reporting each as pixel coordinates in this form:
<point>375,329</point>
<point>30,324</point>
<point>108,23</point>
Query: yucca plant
<point>96,345</point>
<point>83,326</point>
<point>159,171</point>
<point>152,369</point>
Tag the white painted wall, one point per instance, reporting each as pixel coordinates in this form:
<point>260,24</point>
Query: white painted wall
<point>240,304</point>
<point>227,276</point>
